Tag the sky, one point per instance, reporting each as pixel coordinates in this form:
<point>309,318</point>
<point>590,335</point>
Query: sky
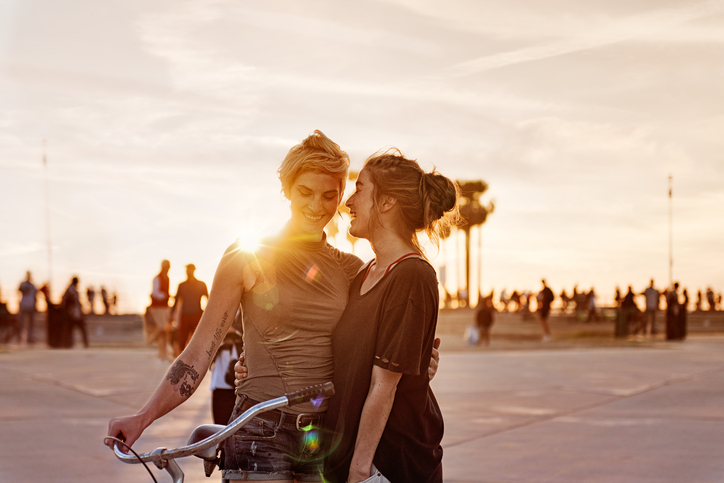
<point>164,123</point>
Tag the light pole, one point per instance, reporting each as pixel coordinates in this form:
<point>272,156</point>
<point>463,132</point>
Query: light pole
<point>671,231</point>
<point>47,219</point>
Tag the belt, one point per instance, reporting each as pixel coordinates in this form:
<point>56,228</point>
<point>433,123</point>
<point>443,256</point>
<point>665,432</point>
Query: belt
<point>299,421</point>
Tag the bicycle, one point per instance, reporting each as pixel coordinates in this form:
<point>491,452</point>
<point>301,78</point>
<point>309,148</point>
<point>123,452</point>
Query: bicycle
<point>205,441</point>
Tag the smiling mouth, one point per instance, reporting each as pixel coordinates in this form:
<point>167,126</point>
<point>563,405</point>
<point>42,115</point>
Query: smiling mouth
<point>312,217</point>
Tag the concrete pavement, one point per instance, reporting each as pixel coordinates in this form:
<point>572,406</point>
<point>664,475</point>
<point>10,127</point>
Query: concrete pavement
<point>623,412</point>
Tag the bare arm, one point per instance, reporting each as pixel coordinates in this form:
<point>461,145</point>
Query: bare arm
<point>375,413</point>
<point>187,371</point>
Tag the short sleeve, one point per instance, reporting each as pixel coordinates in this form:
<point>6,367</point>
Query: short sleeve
<point>403,331</point>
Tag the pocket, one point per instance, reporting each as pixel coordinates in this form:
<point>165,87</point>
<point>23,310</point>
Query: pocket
<point>256,429</point>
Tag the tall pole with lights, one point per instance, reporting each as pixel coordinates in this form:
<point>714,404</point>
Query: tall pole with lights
<point>671,232</point>
<point>47,218</point>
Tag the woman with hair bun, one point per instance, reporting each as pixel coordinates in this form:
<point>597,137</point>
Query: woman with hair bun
<point>387,424</point>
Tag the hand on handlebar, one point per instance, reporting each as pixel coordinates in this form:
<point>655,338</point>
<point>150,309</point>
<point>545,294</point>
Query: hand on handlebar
<point>240,372</point>
<point>128,429</point>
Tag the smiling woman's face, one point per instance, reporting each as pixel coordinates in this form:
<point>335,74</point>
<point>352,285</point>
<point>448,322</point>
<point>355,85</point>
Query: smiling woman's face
<point>314,198</point>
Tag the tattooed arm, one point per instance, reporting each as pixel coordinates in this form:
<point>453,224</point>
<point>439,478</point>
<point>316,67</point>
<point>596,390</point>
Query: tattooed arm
<point>187,371</point>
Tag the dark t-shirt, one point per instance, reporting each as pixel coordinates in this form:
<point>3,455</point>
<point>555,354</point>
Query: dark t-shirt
<point>391,326</point>
<point>190,293</point>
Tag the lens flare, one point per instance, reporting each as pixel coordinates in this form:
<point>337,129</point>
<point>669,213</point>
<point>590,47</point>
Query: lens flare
<point>317,401</point>
<point>313,273</point>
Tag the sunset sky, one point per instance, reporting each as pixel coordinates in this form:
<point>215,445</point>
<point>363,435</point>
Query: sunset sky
<point>165,122</point>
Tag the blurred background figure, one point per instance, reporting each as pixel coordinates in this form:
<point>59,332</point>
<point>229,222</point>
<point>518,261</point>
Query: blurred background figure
<point>590,305</point>
<point>9,327</point>
<point>617,297</point>
<point>545,299</point>
<point>90,294</point>
<point>188,299</point>
<point>710,299</point>
<point>628,320</point>
<point>504,300</point>
<point>484,318</point>
<point>652,297</point>
<point>564,301</point>
<point>104,299</point>
<point>674,331</point>
<point>697,307</point>
<point>114,303</point>
<point>157,314</point>
<point>26,314</point>
<point>74,312</point>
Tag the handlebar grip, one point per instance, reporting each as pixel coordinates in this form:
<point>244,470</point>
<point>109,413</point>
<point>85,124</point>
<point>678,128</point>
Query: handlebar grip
<point>303,395</point>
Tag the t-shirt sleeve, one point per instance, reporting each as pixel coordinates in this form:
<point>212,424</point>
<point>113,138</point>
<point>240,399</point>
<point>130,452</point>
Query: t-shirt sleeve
<point>403,331</point>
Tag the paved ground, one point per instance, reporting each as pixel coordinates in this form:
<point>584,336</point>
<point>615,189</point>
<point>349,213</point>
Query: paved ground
<point>569,411</point>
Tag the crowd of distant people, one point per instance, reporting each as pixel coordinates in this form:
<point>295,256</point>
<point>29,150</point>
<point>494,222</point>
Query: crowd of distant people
<point>63,318</point>
<point>631,319</point>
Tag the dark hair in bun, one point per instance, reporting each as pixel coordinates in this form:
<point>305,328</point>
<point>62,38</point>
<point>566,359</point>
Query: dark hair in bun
<point>428,201</point>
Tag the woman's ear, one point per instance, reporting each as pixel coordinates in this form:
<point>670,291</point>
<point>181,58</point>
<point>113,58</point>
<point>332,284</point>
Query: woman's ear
<point>386,203</point>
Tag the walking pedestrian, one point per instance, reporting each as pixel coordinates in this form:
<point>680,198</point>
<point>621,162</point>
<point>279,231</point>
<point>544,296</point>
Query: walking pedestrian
<point>188,300</point>
<point>74,312</point>
<point>26,314</point>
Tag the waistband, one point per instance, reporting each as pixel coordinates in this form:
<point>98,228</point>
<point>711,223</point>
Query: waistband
<point>299,421</point>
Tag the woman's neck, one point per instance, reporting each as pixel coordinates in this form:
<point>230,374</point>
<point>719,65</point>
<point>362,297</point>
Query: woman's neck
<point>388,247</point>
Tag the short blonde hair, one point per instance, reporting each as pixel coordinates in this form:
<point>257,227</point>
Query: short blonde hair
<point>316,153</point>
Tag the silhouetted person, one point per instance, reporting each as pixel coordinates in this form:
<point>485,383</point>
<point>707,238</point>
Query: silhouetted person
<point>673,319</point>
<point>545,299</point>
<point>90,294</point>
<point>515,299</point>
<point>626,314</point>
<point>617,297</point>
<point>590,303</point>
<point>189,296</point>
<point>114,303</point>
<point>578,299</point>
<point>504,299</point>
<point>710,299</point>
<point>652,306</point>
<point>564,301</point>
<point>697,307</point>
<point>9,322</point>
<point>74,312</point>
<point>157,314</point>
<point>26,314</point>
<point>104,299</point>
<point>484,319</point>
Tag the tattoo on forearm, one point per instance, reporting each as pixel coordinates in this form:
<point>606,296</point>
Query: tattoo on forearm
<point>178,376</point>
<point>224,318</point>
<point>210,352</point>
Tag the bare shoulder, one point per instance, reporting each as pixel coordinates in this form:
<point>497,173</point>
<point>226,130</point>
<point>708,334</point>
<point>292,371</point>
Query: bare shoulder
<point>239,265</point>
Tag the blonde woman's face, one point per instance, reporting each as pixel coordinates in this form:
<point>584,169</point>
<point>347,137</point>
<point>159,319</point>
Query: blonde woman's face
<point>314,198</point>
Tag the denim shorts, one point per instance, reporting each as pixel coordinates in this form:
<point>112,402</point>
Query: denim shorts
<point>273,450</point>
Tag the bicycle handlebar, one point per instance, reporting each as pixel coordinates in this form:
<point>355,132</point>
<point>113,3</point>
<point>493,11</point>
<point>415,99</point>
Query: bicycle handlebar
<point>163,458</point>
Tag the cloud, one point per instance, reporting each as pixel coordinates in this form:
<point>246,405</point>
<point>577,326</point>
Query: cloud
<point>618,30</point>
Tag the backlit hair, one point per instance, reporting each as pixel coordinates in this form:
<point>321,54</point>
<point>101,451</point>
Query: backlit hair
<point>427,201</point>
<point>317,153</point>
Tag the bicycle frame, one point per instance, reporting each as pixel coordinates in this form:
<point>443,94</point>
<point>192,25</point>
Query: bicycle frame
<point>207,448</point>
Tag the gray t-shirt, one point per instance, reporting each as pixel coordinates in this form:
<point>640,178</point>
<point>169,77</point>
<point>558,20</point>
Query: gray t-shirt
<point>300,293</point>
